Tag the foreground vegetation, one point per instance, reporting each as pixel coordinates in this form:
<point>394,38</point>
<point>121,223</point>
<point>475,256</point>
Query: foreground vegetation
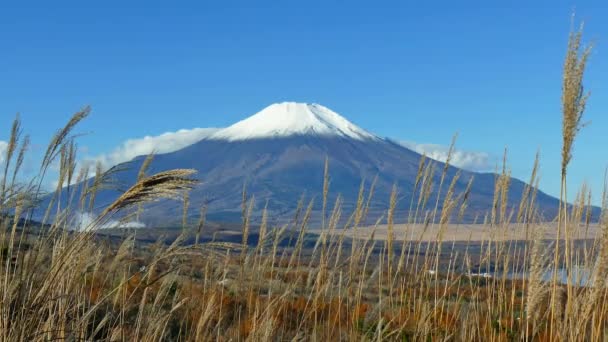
<point>62,283</point>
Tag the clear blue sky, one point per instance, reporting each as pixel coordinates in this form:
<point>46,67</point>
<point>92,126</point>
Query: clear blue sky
<point>407,70</point>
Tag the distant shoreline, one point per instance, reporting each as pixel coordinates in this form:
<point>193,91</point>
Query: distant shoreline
<point>467,232</point>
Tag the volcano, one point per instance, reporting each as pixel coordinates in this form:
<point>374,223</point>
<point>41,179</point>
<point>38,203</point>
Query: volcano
<point>278,156</point>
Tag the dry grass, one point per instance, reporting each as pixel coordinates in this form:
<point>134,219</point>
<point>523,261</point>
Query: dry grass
<point>407,282</point>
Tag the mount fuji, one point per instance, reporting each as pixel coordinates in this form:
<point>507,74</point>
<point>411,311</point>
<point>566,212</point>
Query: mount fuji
<point>279,154</point>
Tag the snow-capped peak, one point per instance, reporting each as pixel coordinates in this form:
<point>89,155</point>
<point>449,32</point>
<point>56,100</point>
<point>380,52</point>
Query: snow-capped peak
<point>291,118</point>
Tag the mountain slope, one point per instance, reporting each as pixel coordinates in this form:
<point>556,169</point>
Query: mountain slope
<point>279,154</point>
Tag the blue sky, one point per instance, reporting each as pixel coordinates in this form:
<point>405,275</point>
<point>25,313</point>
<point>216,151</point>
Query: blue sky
<point>490,71</point>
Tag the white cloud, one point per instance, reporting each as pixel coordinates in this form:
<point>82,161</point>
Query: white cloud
<point>468,160</point>
<point>3,146</point>
<point>84,221</point>
<point>129,149</point>
<point>164,143</point>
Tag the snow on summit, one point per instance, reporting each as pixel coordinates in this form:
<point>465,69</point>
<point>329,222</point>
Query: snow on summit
<point>291,118</point>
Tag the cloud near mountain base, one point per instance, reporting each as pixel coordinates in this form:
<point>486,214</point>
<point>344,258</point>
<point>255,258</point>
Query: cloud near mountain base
<point>3,146</point>
<point>83,221</point>
<point>468,160</point>
<point>164,143</point>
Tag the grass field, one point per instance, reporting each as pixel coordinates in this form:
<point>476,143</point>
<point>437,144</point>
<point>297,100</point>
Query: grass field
<point>401,281</point>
